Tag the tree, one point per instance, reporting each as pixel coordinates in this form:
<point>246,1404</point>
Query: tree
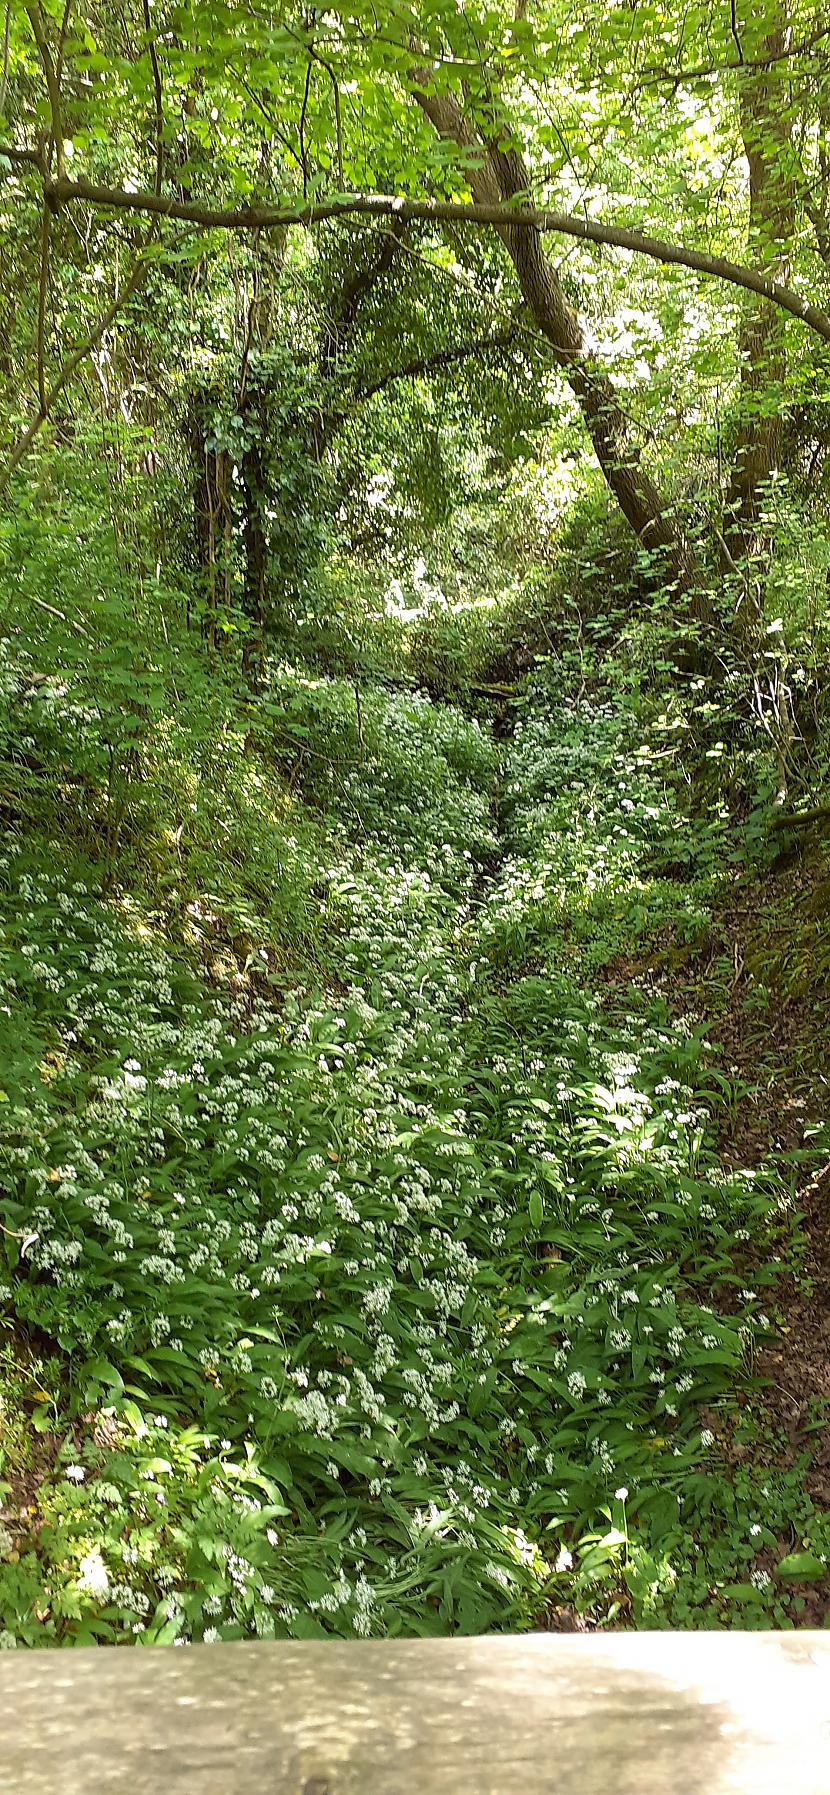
<point>498,177</point>
<point>301,119</point>
<point>766,129</point>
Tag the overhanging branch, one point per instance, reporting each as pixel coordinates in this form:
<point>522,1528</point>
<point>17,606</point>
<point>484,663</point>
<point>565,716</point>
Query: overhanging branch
<point>31,158</point>
<point>421,368</point>
<point>383,205</point>
<point>434,364</point>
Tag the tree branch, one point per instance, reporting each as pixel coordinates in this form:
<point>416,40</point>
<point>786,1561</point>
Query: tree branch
<point>704,71</point>
<point>47,400</point>
<point>67,8</point>
<point>733,25</point>
<point>35,18</point>
<point>414,370</point>
<point>355,290</point>
<point>250,327</point>
<point>821,225</point>
<point>43,288</point>
<point>801,819</point>
<point>32,158</point>
<point>432,364</point>
<point>4,77</point>
<point>304,110</point>
<point>157,92</point>
<point>338,123</point>
<point>384,205</point>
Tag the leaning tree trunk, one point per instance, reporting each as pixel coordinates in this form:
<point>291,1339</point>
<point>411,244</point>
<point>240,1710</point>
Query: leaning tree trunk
<point>252,406</point>
<point>212,515</point>
<point>767,138</point>
<point>498,176</point>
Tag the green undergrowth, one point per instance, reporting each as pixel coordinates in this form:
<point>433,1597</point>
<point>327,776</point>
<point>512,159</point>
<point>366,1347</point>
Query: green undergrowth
<point>376,1266</point>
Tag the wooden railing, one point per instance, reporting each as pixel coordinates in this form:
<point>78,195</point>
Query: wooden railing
<point>617,1714</point>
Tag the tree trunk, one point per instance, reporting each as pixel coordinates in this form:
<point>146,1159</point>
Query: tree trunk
<point>255,552</point>
<point>767,138</point>
<point>497,176</point>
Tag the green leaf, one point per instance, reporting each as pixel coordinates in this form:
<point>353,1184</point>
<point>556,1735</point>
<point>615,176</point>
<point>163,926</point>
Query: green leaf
<point>801,1566</point>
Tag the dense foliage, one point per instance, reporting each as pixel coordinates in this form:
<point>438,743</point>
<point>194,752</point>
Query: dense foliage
<point>414,742</point>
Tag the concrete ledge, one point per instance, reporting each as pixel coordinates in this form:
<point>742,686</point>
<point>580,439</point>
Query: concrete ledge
<point>621,1714</point>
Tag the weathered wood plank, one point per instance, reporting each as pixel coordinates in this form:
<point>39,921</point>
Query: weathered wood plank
<point>626,1714</point>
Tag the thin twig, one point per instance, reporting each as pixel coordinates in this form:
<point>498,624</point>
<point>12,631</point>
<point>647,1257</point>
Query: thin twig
<point>43,288</point>
<point>157,90</point>
<point>34,16</point>
<point>303,112</point>
<point>269,117</point>
<point>4,78</point>
<point>733,24</point>
<point>61,41</point>
<point>35,425</point>
<point>54,612</point>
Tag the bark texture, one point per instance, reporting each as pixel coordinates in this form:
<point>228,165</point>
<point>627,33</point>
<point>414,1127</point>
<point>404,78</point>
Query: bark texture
<point>767,138</point>
<point>496,177</point>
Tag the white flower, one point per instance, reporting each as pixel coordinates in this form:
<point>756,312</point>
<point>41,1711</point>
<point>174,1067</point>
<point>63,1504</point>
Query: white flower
<point>621,1494</point>
<point>565,1560</point>
<point>707,1437</point>
<point>93,1578</point>
<point>75,1473</point>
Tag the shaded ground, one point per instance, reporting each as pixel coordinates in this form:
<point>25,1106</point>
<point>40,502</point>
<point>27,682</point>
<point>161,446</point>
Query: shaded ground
<point>761,983</point>
<point>781,1052</point>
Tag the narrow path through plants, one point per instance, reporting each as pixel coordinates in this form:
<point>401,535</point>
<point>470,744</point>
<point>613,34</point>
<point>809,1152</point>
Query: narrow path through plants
<point>422,1310</point>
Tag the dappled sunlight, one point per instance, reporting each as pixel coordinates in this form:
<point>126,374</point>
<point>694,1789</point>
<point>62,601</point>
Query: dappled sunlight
<point>412,1261</point>
<point>414,741</point>
<point>596,819</point>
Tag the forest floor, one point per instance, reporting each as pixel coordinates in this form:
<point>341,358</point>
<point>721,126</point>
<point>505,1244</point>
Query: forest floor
<point>784,1065</point>
<point>420,1273</point>
<point>779,1053</point>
